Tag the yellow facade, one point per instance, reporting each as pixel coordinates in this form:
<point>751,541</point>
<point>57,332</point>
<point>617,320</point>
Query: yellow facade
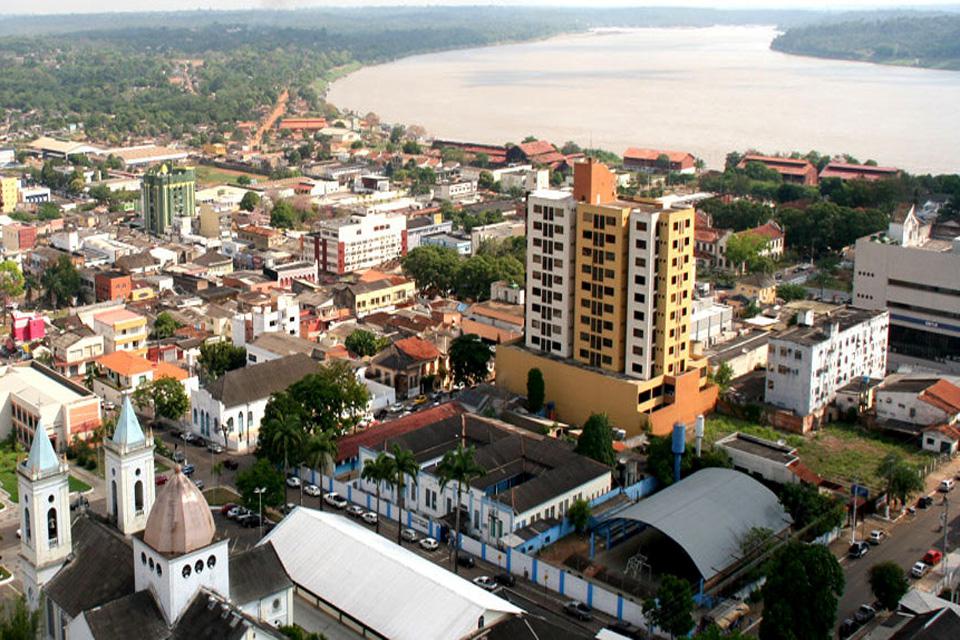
<point>384,298</point>
<point>600,306</point>
<point>9,194</point>
<point>131,332</point>
<point>675,280</point>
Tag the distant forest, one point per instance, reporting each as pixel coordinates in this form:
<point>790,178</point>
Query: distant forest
<point>913,40</point>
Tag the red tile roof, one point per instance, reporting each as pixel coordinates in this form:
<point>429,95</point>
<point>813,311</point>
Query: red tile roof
<point>948,430</point>
<point>771,230</point>
<point>789,166</point>
<point>805,473</point>
<point>417,348</point>
<point>349,446</point>
<point>537,148</point>
<point>944,396</point>
<point>846,171</point>
<point>651,155</point>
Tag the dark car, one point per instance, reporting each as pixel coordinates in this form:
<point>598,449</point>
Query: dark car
<point>858,550</point>
<point>187,469</point>
<point>506,579</point>
<point>466,561</point>
<point>196,441</point>
<point>865,614</point>
<point>626,630</point>
<point>249,521</point>
<point>924,502</point>
<point>847,628</point>
<point>179,457</point>
<point>578,610</point>
<point>233,465</point>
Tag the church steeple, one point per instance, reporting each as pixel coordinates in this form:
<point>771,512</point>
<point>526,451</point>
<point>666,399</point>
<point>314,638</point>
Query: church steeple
<point>45,540</point>
<point>130,472</point>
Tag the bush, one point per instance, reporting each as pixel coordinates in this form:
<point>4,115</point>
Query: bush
<point>91,464</point>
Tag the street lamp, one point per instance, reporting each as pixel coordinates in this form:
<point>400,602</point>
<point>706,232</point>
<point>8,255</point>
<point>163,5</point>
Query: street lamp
<point>260,491</point>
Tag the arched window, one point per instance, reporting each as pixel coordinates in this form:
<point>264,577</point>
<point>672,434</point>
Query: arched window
<point>52,525</point>
<point>113,497</point>
<point>26,523</point>
<point>194,415</point>
<point>230,425</point>
<point>138,496</point>
<point>240,424</point>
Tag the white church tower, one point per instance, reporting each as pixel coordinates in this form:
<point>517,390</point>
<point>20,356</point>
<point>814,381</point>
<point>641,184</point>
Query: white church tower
<point>45,540</point>
<point>130,473</point>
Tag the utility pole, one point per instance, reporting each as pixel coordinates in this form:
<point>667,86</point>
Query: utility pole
<point>853,526</point>
<point>259,491</point>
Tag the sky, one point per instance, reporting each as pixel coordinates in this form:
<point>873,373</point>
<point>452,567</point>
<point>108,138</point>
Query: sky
<point>97,6</point>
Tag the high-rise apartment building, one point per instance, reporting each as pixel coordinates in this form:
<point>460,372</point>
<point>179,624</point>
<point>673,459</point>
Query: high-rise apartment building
<point>608,305</point>
<point>9,194</point>
<point>167,193</point>
<point>359,242</point>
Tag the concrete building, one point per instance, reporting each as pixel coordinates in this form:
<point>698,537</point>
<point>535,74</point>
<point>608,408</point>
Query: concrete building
<point>659,161</point>
<point>285,274</point>
<point>421,227</point>
<point>455,190</point>
<point>374,295</point>
<point>112,285</point>
<point>19,237</point>
<point>919,401</point>
<point>496,232</point>
<point>74,350</point>
<point>9,194</point>
<point>283,316</point>
<point>845,171</point>
<point>122,330</point>
<point>359,242</point>
<point>167,193</point>
<point>808,363</point>
<point>766,460</point>
<point>263,238</point>
<point>525,179</point>
<point>122,372</point>
<point>709,321</point>
<point>793,170</point>
<point>914,276</point>
<point>462,246</point>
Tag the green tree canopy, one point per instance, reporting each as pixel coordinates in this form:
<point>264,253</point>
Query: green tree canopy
<point>746,249</point>
<point>579,514</point>
<point>12,283</point>
<point>660,460</point>
<point>433,268</point>
<point>807,506</point>
<point>250,201</point>
<point>800,595</point>
<point>672,608</point>
<point>900,477</point>
<point>790,292</point>
<point>219,357</point>
<point>168,398</point>
<point>888,583</point>
<point>18,621</point>
<point>469,359</point>
<point>365,343</point>
<point>283,215</point>
<point>596,439</point>
<point>261,474</point>
<point>164,326</point>
<point>61,282</point>
<point>536,390</point>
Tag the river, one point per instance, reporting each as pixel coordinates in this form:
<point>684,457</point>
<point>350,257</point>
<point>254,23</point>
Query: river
<point>707,91</point>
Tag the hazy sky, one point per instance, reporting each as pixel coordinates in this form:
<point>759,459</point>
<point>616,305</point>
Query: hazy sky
<point>87,6</point>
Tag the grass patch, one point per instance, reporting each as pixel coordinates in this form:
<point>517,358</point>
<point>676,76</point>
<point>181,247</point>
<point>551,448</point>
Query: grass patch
<point>839,452</point>
<point>221,496</point>
<point>160,467</point>
<point>215,175</point>
<point>76,484</point>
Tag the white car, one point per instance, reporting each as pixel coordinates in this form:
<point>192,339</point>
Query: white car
<point>919,569</point>
<point>485,582</point>
<point>409,535</point>
<point>429,544</point>
<point>335,500</point>
<point>293,482</point>
<point>355,511</point>
<point>370,517</point>
<point>312,490</point>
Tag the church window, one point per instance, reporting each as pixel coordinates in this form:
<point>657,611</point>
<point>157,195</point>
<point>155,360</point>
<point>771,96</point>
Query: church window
<point>138,496</point>
<point>52,526</point>
<point>198,567</point>
<point>137,472</point>
<point>276,603</point>
<point>143,557</point>
<point>26,522</point>
<point>211,562</point>
<point>50,498</point>
<point>159,570</point>
<point>151,564</point>
<point>230,425</point>
<point>186,571</point>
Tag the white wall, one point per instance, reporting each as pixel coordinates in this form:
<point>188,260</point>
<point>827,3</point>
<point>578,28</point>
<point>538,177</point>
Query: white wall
<point>907,407</point>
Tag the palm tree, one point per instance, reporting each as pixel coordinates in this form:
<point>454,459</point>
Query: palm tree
<point>285,433</point>
<point>378,470</point>
<point>460,466</point>
<point>319,452</point>
<point>404,464</point>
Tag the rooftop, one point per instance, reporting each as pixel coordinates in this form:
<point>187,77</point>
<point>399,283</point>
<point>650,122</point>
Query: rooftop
<point>117,315</point>
<point>773,451</point>
<point>845,317</point>
<point>633,153</point>
<point>39,386</point>
<point>259,381</point>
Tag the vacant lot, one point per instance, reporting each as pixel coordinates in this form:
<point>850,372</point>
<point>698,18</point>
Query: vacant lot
<point>839,452</point>
<point>207,175</point>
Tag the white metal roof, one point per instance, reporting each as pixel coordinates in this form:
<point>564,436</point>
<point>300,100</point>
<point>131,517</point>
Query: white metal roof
<point>708,513</point>
<point>390,589</point>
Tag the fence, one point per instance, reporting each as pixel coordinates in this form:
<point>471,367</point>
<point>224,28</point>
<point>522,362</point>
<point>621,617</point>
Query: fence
<point>561,581</point>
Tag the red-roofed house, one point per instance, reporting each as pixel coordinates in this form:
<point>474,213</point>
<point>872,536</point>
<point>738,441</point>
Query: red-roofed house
<point>796,170</point>
<point>774,235</point>
<point>537,152</point>
<point>649,161</point>
<point>941,438</point>
<point>407,364</point>
<point>920,402</point>
<point>867,172</point>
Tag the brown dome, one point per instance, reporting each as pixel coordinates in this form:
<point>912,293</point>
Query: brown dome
<point>180,520</point>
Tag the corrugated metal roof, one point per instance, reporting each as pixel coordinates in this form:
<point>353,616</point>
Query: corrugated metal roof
<point>391,590</point>
<point>708,513</point>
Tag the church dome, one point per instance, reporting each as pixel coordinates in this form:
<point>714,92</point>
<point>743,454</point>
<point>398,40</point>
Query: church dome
<point>180,520</point>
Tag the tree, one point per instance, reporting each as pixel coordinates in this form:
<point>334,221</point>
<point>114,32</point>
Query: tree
<point>486,179</point>
<point>888,583</point>
<point>723,376</point>
<point>663,162</point>
<point>319,452</point>
<point>293,632</point>
<point>261,474</point>
<point>460,466</point>
<point>801,592</point>
<point>807,506</point>
<point>18,622</point>
<point>713,632</point>
<point>331,400</point>
<point>164,326</point>
<point>220,357</point>
<point>469,359</point>
<point>168,397</point>
<point>378,470</point>
<point>789,292</point>
<point>250,200</point>
<point>596,440</point>
<point>217,472</point>
<point>365,343</point>
<point>12,284</point>
<point>672,608</point>
<point>283,215</point>
<point>744,249</point>
<point>579,515</point>
<point>49,211</point>
<point>660,460</point>
<point>536,390</point>
<point>900,477</point>
<point>61,281</point>
<point>404,466</point>
<point>285,433</point>
<point>433,268</point>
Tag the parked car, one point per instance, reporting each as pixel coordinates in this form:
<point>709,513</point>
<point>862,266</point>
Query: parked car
<point>847,628</point>
<point>370,517</point>
<point>293,482</point>
<point>578,610</point>
<point>924,502</point>
<point>335,500</point>
<point>877,536</point>
<point>485,582</point>
<point>355,511</point>
<point>198,482</point>
<point>187,469</point>
<point>946,485</point>
<point>179,457</point>
<point>160,480</point>
<point>249,521</point>
<point>213,447</point>
<point>195,440</point>
<point>858,550</point>
<point>225,509</point>
<point>429,544</point>
<point>865,614</point>
<point>312,490</point>
<point>467,561</point>
<point>932,557</point>
<point>233,465</point>
<point>238,512</point>
<point>409,535</point>
<point>419,400</point>
<point>919,569</point>
<point>506,579</point>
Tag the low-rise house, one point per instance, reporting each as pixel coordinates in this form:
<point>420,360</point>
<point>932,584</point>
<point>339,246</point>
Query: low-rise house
<point>235,401</point>
<point>743,354</point>
<point>374,294</point>
<point>495,322</point>
<point>272,346</point>
<point>462,246</point>
<point>122,330</point>
<point>919,401</point>
<point>709,321</point>
<point>941,438</point>
<point>281,316</point>
<point>659,161</point>
<point>455,190</point>
<point>74,350</point>
<point>766,460</point>
<point>422,227</point>
<point>285,274</point>
<point>122,372</point>
<point>759,287</point>
<point>405,364</point>
<point>27,327</point>
<point>262,238</point>
<point>793,170</point>
<point>214,264</point>
<point>112,285</point>
<point>31,393</point>
<point>846,171</point>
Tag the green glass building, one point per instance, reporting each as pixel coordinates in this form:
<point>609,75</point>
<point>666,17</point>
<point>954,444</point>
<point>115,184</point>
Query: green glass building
<point>167,193</point>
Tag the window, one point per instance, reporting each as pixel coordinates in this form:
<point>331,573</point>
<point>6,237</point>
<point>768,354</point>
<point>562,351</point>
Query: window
<point>52,537</point>
<point>211,562</point>
<point>186,571</point>
<point>26,523</point>
<point>138,496</point>
<point>198,567</point>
